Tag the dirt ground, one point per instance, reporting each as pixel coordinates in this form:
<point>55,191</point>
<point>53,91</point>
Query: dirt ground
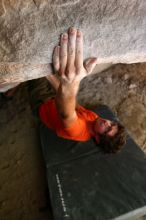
<point>23,187</point>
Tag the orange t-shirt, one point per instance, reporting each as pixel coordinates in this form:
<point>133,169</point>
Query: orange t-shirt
<point>78,130</point>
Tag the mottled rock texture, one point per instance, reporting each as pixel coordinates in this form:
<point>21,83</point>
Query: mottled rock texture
<point>114,31</point>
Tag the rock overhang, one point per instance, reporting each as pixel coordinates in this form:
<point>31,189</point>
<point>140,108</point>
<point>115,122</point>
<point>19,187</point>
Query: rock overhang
<point>114,31</point>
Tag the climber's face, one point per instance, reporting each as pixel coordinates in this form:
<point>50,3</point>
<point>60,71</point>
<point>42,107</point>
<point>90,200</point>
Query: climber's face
<point>105,127</point>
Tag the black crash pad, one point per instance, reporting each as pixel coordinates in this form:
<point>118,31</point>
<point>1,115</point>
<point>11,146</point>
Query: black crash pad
<point>86,184</point>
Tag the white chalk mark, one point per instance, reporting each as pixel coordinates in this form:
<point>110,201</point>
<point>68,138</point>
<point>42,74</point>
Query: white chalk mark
<point>3,5</point>
<point>70,3</point>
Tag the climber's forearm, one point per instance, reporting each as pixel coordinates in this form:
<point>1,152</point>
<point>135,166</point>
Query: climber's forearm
<point>66,102</point>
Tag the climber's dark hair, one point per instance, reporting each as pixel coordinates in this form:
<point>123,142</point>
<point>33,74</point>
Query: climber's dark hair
<point>116,143</point>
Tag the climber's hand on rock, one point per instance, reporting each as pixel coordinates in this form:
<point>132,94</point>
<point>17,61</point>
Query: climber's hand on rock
<point>68,58</point>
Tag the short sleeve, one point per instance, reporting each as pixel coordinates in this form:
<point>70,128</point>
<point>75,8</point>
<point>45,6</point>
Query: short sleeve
<point>79,130</point>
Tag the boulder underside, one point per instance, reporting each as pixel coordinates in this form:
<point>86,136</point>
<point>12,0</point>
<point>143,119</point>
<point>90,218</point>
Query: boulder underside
<point>114,31</point>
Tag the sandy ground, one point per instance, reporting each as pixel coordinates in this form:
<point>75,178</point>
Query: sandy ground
<point>23,187</point>
<point>22,183</point>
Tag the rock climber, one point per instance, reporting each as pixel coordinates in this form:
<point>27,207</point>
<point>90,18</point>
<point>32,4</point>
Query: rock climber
<point>63,114</point>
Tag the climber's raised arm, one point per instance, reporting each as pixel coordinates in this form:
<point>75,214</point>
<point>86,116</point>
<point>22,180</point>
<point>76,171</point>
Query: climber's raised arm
<point>68,63</point>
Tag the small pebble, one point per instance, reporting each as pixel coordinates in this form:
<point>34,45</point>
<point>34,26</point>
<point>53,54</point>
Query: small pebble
<point>132,86</point>
<point>126,76</point>
<point>18,162</point>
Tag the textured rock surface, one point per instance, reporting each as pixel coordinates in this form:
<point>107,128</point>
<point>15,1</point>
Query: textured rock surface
<point>114,31</point>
